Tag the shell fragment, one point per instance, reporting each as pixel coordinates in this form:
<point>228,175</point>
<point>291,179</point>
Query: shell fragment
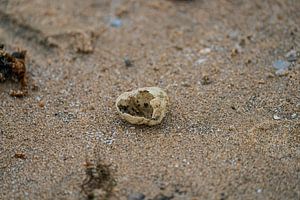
<point>146,105</point>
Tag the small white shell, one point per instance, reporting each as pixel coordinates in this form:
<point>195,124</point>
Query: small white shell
<point>146,105</point>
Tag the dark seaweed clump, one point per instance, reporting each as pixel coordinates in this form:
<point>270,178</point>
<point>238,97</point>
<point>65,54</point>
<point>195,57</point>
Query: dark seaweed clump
<point>99,182</point>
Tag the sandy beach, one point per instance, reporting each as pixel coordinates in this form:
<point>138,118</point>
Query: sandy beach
<point>231,70</point>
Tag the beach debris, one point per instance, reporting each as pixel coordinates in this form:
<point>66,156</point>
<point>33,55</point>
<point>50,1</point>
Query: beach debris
<point>83,42</point>
<point>128,62</point>
<point>99,182</point>
<point>234,52</point>
<point>12,66</point>
<point>146,105</point>
<point>116,22</point>
<point>20,155</point>
<point>206,80</point>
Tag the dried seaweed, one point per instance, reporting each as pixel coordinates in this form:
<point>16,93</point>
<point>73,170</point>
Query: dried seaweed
<point>99,182</point>
<point>12,67</point>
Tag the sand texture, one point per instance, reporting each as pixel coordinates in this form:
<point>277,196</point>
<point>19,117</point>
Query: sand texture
<point>231,70</point>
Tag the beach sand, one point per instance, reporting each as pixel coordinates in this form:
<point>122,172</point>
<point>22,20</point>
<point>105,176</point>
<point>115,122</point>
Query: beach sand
<point>232,130</point>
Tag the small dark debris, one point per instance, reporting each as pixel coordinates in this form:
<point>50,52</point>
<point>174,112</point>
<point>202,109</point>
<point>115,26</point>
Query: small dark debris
<point>99,182</point>
<point>20,156</point>
<point>248,61</point>
<point>128,62</point>
<point>12,67</point>
<point>234,52</point>
<point>233,107</point>
<point>223,196</point>
<point>136,196</point>
<point>206,80</point>
<point>242,42</point>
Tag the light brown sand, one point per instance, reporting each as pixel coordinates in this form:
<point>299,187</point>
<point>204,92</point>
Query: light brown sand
<point>219,140</point>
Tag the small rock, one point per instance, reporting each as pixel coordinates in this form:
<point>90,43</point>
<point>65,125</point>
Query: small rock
<point>205,51</point>
<point>136,196</point>
<point>116,22</point>
<point>294,116</point>
<point>242,42</point>
<point>292,55</point>
<point>206,80</point>
<point>276,117</point>
<point>41,104</point>
<point>185,84</point>
<point>234,52</point>
<point>259,190</point>
<point>282,67</point>
<point>146,105</point>
<point>281,64</point>
<point>200,61</point>
<point>128,62</point>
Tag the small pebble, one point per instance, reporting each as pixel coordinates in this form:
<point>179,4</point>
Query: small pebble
<point>41,104</point>
<point>259,190</point>
<point>136,196</point>
<point>294,116</point>
<point>206,80</point>
<point>185,84</point>
<point>128,62</point>
<point>276,117</point>
<point>205,51</point>
<point>291,56</point>
<point>281,64</point>
<point>200,61</point>
<point>116,22</point>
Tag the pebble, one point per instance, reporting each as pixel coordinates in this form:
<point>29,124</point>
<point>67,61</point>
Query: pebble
<point>276,117</point>
<point>136,196</point>
<point>200,61</point>
<point>294,116</point>
<point>128,62</point>
<point>291,56</point>
<point>116,22</point>
<point>205,51</point>
<point>282,67</point>
<point>259,190</point>
<point>281,64</point>
<point>146,105</point>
